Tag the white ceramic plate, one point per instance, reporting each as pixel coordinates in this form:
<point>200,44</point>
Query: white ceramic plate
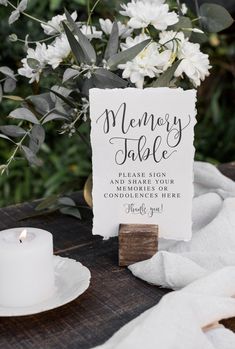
<point>71,280</point>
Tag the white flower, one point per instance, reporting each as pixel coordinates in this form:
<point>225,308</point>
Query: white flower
<point>134,41</point>
<point>58,51</point>
<point>91,33</point>
<point>107,25</point>
<point>184,9</point>
<point>172,40</point>
<point>148,63</point>
<point>3,2</point>
<point>143,13</point>
<point>40,55</point>
<point>195,64</point>
<point>54,26</point>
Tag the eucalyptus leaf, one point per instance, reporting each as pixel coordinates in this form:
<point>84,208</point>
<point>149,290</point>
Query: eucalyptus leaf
<point>33,63</point>
<point>87,85</point>
<point>112,46</point>
<point>46,97</point>
<point>9,85</point>
<point>66,201</point>
<point>24,114</point>
<point>183,24</point>
<point>13,130</point>
<point>166,77</point>
<point>53,116</point>
<point>61,90</point>
<point>7,71</point>
<point>215,18</point>
<point>30,156</point>
<point>71,211</point>
<point>47,203</point>
<point>198,38</point>
<point>127,55</point>
<point>22,5</point>
<point>106,79</point>
<point>86,46</point>
<point>60,106</point>
<point>37,137</point>
<point>64,99</point>
<point>69,74</point>
<point>75,46</point>
<point>15,15</point>
<point>40,103</point>
<point>7,138</point>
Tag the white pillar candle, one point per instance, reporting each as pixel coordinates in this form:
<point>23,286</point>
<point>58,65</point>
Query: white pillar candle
<point>26,267</point>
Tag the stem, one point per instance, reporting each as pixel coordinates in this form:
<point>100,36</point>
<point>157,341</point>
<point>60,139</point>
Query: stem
<point>198,11</point>
<point>88,9</point>
<point>196,19</point>
<point>32,17</point>
<point>34,42</point>
<point>179,6</point>
<point>90,12</point>
<point>171,40</point>
<point>79,133</point>
<point>18,146</point>
<point>45,115</point>
<point>6,77</point>
<point>3,79</point>
<point>197,7</point>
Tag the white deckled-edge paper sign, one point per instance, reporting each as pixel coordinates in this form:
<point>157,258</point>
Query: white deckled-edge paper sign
<point>142,155</point>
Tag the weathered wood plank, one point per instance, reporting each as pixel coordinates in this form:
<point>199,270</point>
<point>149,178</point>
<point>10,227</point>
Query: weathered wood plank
<point>137,242</point>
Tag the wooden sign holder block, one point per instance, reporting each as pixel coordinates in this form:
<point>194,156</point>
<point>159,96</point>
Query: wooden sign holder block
<point>137,242</point>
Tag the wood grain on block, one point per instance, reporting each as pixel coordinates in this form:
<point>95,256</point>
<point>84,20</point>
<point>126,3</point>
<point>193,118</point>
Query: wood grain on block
<point>137,242</point>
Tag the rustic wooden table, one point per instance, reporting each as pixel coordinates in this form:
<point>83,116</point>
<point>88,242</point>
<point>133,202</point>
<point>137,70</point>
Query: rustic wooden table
<point>113,298</point>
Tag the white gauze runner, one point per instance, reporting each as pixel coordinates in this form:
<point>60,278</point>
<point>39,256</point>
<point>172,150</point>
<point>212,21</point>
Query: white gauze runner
<point>179,319</point>
<point>213,243</point>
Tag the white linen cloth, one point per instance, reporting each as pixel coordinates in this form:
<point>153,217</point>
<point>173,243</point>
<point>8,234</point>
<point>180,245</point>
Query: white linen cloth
<point>204,270</point>
<point>177,321</point>
<point>213,242</point>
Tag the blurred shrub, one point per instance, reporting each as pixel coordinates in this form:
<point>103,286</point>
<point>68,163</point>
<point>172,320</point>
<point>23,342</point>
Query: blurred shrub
<point>66,166</point>
<point>215,131</point>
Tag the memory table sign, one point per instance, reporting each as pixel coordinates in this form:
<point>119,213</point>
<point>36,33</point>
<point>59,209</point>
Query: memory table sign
<point>142,146</point>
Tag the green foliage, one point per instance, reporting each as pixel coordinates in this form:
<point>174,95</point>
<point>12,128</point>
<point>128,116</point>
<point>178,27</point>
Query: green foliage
<point>215,131</point>
<point>166,78</point>
<point>112,46</point>
<point>215,18</point>
<point>184,23</point>
<point>127,55</point>
<point>62,173</point>
<point>66,171</point>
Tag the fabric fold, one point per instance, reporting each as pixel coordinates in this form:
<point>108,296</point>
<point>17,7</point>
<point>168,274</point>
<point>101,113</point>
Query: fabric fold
<point>179,319</point>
